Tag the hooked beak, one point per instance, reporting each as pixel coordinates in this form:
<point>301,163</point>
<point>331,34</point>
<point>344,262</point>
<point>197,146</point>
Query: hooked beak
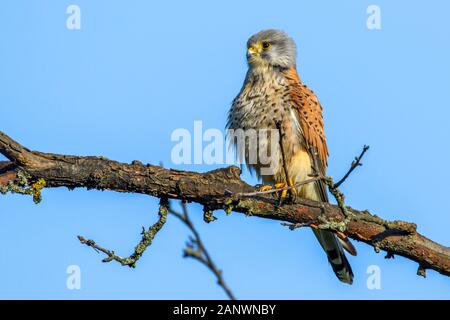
<point>253,52</point>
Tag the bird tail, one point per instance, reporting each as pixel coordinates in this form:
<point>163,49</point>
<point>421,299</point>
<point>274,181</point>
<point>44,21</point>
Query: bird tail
<point>335,254</point>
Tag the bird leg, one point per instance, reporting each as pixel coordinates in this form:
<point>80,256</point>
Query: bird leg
<point>282,187</point>
<point>289,187</point>
<point>265,188</point>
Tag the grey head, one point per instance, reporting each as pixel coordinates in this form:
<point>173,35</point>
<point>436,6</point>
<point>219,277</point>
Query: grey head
<point>271,48</point>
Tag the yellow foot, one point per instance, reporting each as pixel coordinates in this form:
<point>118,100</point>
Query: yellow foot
<point>265,188</point>
<point>284,193</point>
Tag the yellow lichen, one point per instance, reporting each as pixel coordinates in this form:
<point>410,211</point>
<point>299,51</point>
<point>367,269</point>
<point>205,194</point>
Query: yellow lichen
<point>36,189</point>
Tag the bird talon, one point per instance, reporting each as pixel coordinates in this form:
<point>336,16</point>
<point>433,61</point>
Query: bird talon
<point>281,185</point>
<point>292,185</point>
<point>265,188</point>
<point>292,190</point>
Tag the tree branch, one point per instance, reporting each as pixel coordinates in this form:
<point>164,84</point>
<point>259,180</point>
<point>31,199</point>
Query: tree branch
<point>356,163</point>
<point>219,189</point>
<point>146,241</point>
<point>196,249</point>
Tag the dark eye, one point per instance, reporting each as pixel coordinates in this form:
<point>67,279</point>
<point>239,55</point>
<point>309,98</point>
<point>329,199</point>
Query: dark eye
<point>266,45</point>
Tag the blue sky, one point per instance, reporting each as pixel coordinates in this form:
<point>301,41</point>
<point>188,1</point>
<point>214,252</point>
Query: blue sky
<point>138,70</point>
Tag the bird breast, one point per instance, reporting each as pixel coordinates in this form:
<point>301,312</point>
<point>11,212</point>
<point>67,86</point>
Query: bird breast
<point>264,101</point>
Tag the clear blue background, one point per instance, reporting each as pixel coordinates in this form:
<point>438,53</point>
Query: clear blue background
<point>137,70</point>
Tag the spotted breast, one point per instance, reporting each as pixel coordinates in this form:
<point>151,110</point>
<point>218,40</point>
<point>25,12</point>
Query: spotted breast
<point>264,101</point>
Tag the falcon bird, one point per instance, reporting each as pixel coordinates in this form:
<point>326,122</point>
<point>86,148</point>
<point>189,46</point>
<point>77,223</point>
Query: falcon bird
<point>273,97</point>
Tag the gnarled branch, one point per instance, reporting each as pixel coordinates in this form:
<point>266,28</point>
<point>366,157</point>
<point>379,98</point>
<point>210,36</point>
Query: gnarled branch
<point>217,189</point>
<point>196,249</point>
<point>146,241</point>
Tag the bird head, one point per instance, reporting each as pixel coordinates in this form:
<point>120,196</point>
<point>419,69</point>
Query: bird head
<point>271,48</point>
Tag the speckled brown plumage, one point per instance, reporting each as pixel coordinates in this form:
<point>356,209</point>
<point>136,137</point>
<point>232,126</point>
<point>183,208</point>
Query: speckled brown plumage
<point>273,93</point>
<point>309,112</point>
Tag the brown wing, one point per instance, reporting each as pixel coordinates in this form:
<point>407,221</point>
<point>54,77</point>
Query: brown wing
<point>309,114</point>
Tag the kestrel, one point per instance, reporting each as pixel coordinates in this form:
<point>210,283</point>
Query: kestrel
<point>274,97</point>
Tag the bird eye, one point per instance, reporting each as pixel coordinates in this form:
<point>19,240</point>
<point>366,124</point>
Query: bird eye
<point>266,45</point>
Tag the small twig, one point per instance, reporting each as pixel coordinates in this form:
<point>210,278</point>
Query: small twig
<point>20,182</point>
<point>283,156</point>
<point>389,255</point>
<point>293,226</point>
<point>255,193</point>
<point>338,195</point>
<point>208,215</point>
<point>97,248</point>
<point>196,249</point>
<point>146,241</point>
<point>355,163</point>
<point>422,271</point>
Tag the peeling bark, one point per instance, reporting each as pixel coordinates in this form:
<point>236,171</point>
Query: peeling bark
<point>217,189</point>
